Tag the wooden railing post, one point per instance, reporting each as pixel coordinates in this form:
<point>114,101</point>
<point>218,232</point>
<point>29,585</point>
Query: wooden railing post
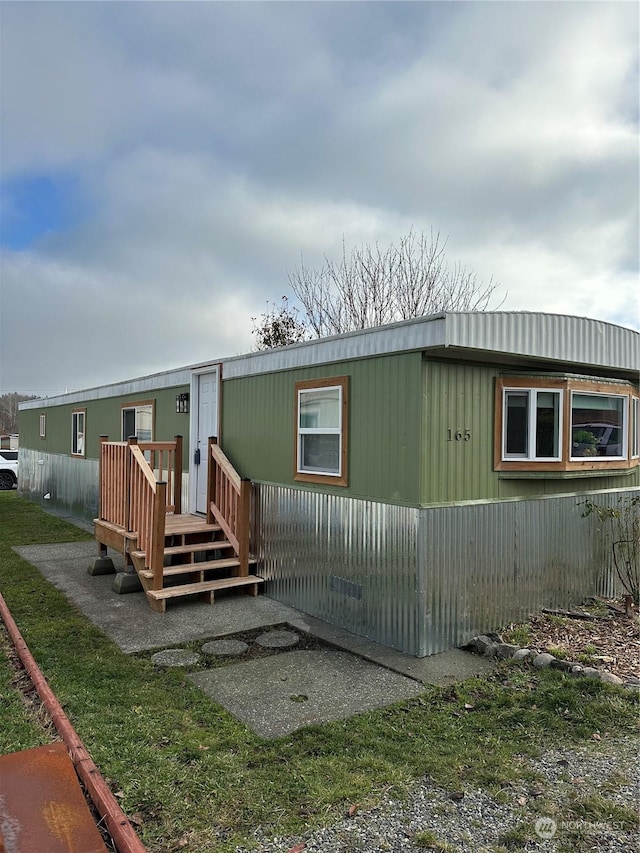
<point>211,474</point>
<point>101,484</point>
<point>244,508</point>
<point>229,503</point>
<point>157,534</point>
<point>127,484</point>
<point>177,476</point>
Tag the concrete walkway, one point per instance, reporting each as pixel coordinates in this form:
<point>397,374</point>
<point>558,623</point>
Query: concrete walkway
<point>272,695</point>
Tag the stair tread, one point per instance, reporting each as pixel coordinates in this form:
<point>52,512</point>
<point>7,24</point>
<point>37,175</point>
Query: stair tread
<point>187,568</point>
<point>202,586</point>
<point>177,525</point>
<point>170,550</point>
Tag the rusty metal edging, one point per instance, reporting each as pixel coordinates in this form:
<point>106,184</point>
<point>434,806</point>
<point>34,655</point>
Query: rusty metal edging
<point>121,831</point>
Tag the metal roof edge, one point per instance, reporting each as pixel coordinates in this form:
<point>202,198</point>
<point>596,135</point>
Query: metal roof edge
<point>154,381</point>
<point>414,334</point>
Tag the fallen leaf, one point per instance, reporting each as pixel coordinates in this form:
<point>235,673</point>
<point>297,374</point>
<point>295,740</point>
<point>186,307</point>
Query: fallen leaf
<point>521,801</point>
<point>456,796</point>
<point>136,819</point>
<point>468,707</point>
<point>536,792</point>
<point>297,848</point>
<point>596,736</point>
<point>353,809</point>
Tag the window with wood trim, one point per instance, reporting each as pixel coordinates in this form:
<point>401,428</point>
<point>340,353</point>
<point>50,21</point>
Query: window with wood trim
<point>78,432</point>
<point>565,424</point>
<point>137,420</point>
<point>321,408</point>
<point>43,426</point>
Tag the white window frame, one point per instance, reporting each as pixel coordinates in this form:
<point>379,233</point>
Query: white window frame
<point>135,407</point>
<point>43,425</point>
<point>532,399</point>
<point>302,431</point>
<point>635,427</point>
<point>78,434</point>
<point>339,477</point>
<point>624,427</point>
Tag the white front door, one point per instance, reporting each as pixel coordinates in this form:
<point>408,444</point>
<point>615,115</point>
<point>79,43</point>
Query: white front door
<point>205,424</point>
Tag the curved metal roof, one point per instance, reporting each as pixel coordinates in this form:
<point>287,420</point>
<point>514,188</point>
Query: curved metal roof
<point>510,336</point>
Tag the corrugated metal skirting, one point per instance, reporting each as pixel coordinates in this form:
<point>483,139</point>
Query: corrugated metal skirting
<point>71,485</point>
<point>426,580</point>
<point>349,562</point>
<point>485,565</point>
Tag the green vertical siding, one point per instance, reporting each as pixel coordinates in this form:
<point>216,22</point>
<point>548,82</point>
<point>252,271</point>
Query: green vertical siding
<point>103,418</point>
<point>457,397</point>
<point>383,433</point>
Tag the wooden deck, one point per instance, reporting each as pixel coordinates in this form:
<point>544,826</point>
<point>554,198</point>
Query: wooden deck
<point>177,525</point>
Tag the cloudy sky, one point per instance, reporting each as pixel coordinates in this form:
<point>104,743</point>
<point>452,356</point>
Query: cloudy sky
<point>164,165</point>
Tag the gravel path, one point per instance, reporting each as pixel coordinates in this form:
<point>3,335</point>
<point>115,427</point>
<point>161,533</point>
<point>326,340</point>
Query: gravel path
<point>532,816</point>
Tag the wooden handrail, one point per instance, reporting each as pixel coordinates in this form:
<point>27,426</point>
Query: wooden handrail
<point>165,461</point>
<point>134,494</point>
<point>229,502</point>
<point>225,466</point>
<point>147,512</point>
<point>147,473</point>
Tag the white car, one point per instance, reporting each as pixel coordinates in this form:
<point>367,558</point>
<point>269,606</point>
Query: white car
<point>8,469</point>
<point>606,439</point>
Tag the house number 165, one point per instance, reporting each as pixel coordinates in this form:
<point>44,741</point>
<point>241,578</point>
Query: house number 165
<point>458,435</point>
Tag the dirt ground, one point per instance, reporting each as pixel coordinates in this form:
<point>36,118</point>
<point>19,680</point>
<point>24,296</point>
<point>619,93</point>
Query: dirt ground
<point>606,638</point>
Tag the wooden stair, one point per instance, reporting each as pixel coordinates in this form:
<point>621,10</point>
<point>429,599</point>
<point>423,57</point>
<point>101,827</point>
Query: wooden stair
<point>198,560</point>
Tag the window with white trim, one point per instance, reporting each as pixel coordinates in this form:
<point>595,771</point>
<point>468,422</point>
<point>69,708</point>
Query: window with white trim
<point>78,426</point>
<point>635,427</point>
<point>565,424</point>
<point>43,426</point>
<point>598,425</point>
<point>137,420</point>
<point>532,424</point>
<point>321,430</point>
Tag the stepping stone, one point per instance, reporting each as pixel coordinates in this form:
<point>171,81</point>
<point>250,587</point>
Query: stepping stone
<point>277,639</point>
<point>225,647</point>
<point>175,657</point>
<point>277,694</point>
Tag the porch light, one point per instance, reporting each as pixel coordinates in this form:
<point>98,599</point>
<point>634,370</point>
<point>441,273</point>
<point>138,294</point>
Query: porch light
<point>182,403</point>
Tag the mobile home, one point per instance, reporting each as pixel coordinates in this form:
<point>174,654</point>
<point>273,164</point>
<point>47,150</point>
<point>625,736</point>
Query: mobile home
<point>416,483</point>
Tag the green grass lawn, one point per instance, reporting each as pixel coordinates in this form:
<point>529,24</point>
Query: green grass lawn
<point>196,779</point>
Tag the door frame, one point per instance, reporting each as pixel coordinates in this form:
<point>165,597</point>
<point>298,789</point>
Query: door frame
<point>194,405</point>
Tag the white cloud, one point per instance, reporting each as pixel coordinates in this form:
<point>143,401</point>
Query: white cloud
<point>213,143</point>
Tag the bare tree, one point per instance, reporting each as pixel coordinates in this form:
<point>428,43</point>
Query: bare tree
<point>9,411</point>
<point>278,327</point>
<point>371,287</point>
